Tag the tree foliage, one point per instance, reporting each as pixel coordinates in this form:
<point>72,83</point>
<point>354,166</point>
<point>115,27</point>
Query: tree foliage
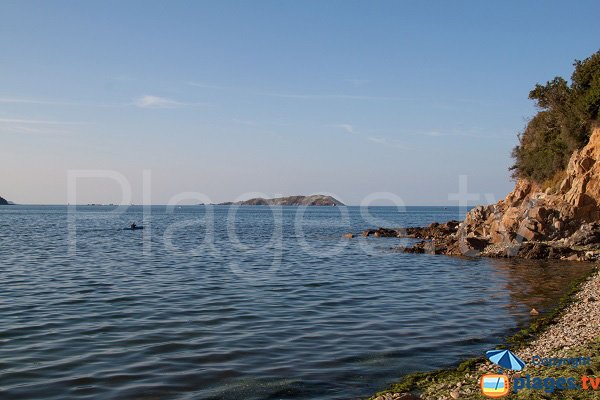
<point>562,124</point>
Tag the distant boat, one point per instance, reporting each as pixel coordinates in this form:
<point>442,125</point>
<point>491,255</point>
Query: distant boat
<point>133,229</point>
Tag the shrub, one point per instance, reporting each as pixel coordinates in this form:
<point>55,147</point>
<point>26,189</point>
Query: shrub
<point>562,124</point>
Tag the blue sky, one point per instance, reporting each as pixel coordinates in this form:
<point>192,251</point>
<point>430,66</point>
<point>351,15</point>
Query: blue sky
<point>277,97</point>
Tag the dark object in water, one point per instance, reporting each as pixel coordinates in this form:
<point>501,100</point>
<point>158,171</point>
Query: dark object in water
<point>133,228</point>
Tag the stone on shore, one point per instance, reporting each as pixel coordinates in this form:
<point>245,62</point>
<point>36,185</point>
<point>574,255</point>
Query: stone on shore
<point>534,312</point>
<point>576,332</point>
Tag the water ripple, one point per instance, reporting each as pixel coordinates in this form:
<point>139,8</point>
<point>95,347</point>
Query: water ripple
<point>114,322</point>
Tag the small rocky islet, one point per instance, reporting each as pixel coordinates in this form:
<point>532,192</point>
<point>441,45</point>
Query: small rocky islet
<point>312,200</point>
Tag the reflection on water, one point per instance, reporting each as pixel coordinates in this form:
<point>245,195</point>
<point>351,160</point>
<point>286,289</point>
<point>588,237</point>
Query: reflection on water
<point>257,313</point>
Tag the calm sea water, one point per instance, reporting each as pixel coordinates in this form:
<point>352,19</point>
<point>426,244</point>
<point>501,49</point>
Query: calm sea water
<point>224,303</point>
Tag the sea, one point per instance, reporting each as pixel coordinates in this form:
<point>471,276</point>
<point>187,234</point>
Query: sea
<point>244,302</point>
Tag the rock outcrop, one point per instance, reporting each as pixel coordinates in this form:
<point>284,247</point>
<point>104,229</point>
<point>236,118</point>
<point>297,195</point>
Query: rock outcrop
<point>558,217</point>
<point>314,200</point>
<point>559,221</point>
<point>433,231</point>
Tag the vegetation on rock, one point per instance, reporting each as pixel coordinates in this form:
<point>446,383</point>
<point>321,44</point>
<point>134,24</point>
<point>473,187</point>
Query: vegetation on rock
<point>563,124</point>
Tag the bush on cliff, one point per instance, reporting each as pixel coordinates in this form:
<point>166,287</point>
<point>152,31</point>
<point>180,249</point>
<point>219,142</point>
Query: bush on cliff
<point>563,124</point>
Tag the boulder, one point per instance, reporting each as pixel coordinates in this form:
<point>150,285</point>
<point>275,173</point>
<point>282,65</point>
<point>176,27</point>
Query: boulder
<point>527,233</point>
<point>385,232</point>
<point>565,185</point>
<point>587,235</point>
<point>477,244</point>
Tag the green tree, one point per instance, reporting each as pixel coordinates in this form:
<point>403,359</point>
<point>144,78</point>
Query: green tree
<point>562,124</point>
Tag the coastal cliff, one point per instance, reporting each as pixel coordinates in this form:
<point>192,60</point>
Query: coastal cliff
<point>314,200</point>
<point>560,221</point>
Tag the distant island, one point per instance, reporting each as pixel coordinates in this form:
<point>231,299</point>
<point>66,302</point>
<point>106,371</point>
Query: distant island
<point>314,200</point>
<point>4,202</point>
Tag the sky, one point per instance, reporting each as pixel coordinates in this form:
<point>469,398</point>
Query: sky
<point>231,99</point>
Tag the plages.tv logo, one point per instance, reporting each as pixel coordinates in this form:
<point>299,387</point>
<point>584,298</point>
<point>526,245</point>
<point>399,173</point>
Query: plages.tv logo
<point>494,385</point>
<point>497,385</point>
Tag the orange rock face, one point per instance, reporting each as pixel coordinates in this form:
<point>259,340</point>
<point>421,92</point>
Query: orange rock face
<point>530,213</point>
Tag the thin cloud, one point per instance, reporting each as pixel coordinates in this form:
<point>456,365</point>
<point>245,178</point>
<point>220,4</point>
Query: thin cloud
<point>53,102</point>
<point>38,122</point>
<point>149,101</point>
<point>34,126</point>
<point>347,127</point>
<point>17,100</point>
<point>434,134</point>
<point>379,140</point>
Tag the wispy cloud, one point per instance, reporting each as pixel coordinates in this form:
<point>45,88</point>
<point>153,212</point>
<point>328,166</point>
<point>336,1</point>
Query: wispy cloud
<point>379,140</point>
<point>434,134</point>
<point>38,122</point>
<point>149,101</point>
<point>35,126</point>
<point>55,102</point>
<point>349,128</point>
<point>21,100</point>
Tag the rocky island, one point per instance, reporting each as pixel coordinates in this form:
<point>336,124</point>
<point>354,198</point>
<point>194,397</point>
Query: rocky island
<point>4,202</point>
<point>313,200</point>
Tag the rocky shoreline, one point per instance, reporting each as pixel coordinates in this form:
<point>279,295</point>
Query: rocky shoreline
<point>447,238</point>
<point>557,220</point>
<point>573,331</point>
